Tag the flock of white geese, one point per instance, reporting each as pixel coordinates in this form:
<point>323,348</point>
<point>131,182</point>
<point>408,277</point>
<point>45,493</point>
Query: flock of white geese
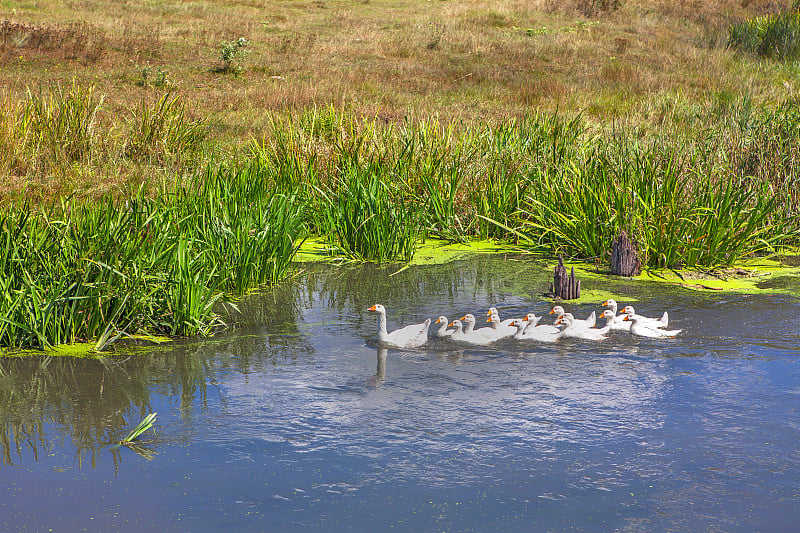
<point>525,329</point>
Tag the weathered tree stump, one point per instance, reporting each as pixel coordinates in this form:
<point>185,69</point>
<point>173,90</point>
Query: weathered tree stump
<point>624,257</point>
<point>563,286</point>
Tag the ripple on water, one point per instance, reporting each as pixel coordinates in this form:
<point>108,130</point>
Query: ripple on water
<point>307,425</point>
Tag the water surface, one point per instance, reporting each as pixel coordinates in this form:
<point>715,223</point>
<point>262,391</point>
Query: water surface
<point>297,421</point>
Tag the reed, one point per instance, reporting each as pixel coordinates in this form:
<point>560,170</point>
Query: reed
<point>62,123</point>
<point>161,130</point>
<point>164,263</point>
<point>434,163</point>
<point>102,270</point>
<point>679,215</point>
<point>366,219</point>
<point>776,35</point>
<point>144,425</point>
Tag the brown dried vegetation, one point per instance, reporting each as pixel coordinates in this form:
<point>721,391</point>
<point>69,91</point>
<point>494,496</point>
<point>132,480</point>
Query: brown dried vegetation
<point>468,61</point>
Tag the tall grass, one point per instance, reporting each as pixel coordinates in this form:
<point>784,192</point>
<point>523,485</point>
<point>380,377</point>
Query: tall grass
<point>64,121</point>
<point>775,36</point>
<point>680,215</point>
<point>162,130</point>
<point>103,270</point>
<point>61,138</point>
<point>366,219</point>
<point>434,163</point>
<point>546,182</point>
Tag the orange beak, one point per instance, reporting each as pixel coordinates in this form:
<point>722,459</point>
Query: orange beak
<point>488,313</point>
<point>463,317</point>
<point>627,317</point>
<point>437,321</point>
<point>373,308</point>
<point>551,312</point>
<point>452,324</point>
<point>605,303</point>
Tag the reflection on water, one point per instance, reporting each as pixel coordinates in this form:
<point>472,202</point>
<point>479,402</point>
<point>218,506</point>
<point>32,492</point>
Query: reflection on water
<point>295,420</point>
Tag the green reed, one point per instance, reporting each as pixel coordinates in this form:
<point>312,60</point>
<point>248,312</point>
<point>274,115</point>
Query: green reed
<point>776,35</point>
<point>434,164</point>
<point>104,270</point>
<point>144,425</point>
<point>162,129</point>
<point>680,215</point>
<point>60,125</point>
<point>365,218</point>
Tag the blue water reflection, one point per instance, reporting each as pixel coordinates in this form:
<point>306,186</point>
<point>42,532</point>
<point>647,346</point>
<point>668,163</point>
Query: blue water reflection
<point>297,421</point>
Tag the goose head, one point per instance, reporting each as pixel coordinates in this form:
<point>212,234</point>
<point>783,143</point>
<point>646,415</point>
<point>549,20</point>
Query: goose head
<point>608,314</point>
<point>519,324</point>
<point>565,319</point>
<point>557,310</point>
<point>377,308</point>
<point>468,318</point>
<point>531,318</point>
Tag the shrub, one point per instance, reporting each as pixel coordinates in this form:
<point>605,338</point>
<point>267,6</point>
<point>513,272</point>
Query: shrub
<point>232,54</point>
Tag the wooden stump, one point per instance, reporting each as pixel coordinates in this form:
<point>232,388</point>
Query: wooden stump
<point>565,287</point>
<point>624,257</point>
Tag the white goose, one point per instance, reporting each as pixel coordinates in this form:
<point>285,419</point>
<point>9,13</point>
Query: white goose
<point>650,322</point>
<point>504,323</point>
<point>499,331</point>
<point>411,336</point>
<point>609,316</point>
<point>613,319</point>
<point>469,328</point>
<point>528,332</point>
<point>579,332</point>
<point>472,338</point>
<point>644,329</point>
<point>442,331</point>
<point>544,329</point>
<point>588,322</point>
<point>612,304</point>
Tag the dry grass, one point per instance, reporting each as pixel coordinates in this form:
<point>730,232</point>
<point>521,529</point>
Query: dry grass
<point>470,61</point>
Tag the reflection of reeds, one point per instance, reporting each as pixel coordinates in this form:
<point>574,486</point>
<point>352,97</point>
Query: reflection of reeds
<point>87,403</point>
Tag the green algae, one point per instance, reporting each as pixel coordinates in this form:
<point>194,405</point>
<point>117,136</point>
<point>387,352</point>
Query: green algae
<point>430,251</point>
<point>762,275</point>
<point>88,350</point>
<point>437,251</point>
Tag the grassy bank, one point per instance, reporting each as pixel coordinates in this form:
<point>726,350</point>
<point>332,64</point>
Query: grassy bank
<point>149,172</point>
<point>102,270</point>
<point>159,263</point>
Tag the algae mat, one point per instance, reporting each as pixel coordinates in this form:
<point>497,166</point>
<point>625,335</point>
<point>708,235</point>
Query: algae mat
<point>778,274</point>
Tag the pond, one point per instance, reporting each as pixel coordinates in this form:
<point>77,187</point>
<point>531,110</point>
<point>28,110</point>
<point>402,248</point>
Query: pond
<point>296,421</point>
